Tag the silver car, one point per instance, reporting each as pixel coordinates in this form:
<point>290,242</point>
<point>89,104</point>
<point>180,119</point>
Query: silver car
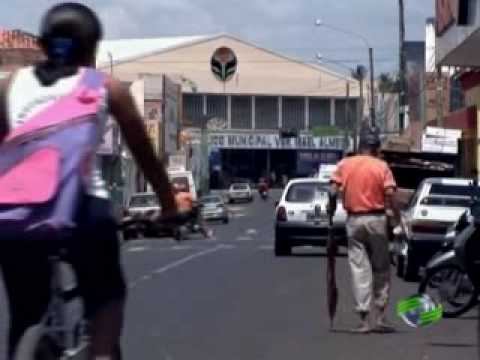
<point>240,191</point>
<point>213,208</point>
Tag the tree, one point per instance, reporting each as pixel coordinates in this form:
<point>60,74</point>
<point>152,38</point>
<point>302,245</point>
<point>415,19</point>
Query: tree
<point>387,84</point>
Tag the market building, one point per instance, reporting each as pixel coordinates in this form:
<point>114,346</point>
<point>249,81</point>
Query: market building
<point>237,98</point>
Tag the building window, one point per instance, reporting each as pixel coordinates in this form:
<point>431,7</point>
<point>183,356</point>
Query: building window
<point>241,112</point>
<point>319,112</point>
<point>293,113</point>
<point>266,112</point>
<point>193,109</point>
<point>217,107</point>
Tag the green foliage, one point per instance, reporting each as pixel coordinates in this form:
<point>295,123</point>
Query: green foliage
<point>326,131</point>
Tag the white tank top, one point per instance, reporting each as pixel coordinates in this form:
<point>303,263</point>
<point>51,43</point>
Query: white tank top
<point>27,97</point>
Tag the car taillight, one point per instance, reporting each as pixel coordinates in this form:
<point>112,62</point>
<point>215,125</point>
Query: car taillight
<point>281,214</point>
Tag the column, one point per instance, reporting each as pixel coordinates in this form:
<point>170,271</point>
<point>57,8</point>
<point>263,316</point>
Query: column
<point>280,112</point>
<point>229,112</point>
<point>332,111</point>
<point>253,113</point>
<point>204,98</point>
<point>307,113</point>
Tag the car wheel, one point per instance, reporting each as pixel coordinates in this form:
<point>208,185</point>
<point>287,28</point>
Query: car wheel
<point>282,247</point>
<point>410,267</point>
<point>225,220</point>
<point>230,201</point>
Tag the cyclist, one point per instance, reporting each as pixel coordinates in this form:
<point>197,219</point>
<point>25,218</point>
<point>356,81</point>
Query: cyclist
<point>69,36</point>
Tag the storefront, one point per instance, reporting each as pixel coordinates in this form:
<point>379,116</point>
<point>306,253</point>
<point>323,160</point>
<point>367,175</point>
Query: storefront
<point>254,155</point>
<point>458,36</point>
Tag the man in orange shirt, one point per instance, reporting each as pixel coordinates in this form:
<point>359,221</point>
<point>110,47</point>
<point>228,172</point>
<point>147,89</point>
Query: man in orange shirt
<point>367,186</point>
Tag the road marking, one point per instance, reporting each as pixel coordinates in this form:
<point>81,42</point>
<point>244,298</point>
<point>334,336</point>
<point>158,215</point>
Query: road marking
<point>181,247</point>
<point>252,232</point>
<point>187,259</point>
<point>176,264</point>
<point>137,249</point>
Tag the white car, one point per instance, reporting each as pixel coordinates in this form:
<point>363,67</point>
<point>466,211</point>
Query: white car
<point>436,205</point>
<point>302,219</point>
<point>141,204</point>
<point>240,191</point>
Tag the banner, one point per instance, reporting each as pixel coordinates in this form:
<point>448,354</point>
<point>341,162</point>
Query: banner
<point>273,141</point>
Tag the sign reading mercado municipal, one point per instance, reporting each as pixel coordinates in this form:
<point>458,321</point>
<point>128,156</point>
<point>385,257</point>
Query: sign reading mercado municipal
<point>273,141</point>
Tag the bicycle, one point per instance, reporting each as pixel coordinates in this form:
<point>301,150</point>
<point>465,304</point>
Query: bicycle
<point>57,336</point>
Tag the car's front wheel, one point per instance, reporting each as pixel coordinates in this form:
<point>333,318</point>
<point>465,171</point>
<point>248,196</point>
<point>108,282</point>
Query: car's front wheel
<point>282,246</point>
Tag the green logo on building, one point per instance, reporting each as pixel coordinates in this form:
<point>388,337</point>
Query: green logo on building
<point>224,63</point>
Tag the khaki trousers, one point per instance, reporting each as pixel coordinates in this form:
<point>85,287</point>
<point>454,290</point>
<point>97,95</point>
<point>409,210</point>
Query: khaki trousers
<point>369,260</point>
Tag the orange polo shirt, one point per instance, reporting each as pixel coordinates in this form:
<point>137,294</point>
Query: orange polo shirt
<point>363,180</point>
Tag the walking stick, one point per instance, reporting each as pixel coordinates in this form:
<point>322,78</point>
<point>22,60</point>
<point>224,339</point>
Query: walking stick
<point>332,247</point>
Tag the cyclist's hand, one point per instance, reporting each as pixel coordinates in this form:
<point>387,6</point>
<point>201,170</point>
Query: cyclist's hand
<point>184,202</point>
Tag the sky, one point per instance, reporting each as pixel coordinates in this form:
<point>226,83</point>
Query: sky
<point>285,26</point>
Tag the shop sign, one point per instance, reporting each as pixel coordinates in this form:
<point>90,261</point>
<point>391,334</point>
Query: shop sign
<point>273,141</point>
<point>447,11</point>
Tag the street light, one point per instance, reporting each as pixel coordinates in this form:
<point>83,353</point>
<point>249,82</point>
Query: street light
<point>320,22</point>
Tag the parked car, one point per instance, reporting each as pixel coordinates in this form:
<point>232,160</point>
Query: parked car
<point>240,191</point>
<point>141,204</point>
<point>213,208</point>
<point>302,219</point>
<point>435,207</point>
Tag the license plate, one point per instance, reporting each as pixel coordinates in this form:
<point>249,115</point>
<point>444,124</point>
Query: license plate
<point>321,218</point>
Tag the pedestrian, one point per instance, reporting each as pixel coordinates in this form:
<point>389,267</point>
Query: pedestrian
<point>367,186</point>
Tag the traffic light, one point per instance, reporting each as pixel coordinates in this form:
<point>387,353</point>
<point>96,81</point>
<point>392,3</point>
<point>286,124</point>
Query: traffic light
<point>288,133</point>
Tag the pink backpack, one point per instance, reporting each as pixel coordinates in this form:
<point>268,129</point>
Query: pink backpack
<point>44,163</point>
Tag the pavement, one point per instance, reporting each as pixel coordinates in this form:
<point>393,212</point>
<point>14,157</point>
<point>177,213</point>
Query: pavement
<point>230,298</point>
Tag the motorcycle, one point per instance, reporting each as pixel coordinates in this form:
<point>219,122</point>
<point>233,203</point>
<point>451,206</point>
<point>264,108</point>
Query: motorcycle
<point>451,277</point>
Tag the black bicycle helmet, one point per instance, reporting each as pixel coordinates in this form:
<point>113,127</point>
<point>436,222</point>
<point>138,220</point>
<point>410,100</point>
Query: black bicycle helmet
<point>69,33</point>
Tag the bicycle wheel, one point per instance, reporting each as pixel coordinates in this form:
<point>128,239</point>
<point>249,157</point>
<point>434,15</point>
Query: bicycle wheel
<point>450,286</point>
<point>35,344</point>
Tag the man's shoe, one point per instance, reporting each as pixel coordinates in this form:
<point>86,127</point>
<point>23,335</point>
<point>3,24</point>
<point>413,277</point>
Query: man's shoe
<point>384,327</point>
<point>362,328</point>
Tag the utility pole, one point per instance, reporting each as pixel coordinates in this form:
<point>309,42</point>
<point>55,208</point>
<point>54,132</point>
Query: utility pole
<point>347,116</point>
<point>439,96</point>
<point>372,87</point>
<point>402,65</point>
<point>359,117</point>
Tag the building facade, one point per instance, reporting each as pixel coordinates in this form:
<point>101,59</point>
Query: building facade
<point>457,38</point>
<point>241,96</point>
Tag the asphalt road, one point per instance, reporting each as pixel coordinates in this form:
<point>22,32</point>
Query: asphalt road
<point>230,298</point>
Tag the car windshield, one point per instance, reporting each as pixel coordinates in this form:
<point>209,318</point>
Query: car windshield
<point>453,190</point>
<point>239,187</point>
<point>211,200</point>
<point>306,192</point>
<point>181,183</point>
<point>453,201</point>
<point>144,200</point>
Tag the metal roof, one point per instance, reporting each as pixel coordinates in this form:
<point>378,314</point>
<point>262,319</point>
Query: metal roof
<point>128,49</point>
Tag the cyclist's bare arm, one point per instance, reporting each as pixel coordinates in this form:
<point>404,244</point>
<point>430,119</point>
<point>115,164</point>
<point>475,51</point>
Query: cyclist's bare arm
<point>131,125</point>
<point>3,109</point>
